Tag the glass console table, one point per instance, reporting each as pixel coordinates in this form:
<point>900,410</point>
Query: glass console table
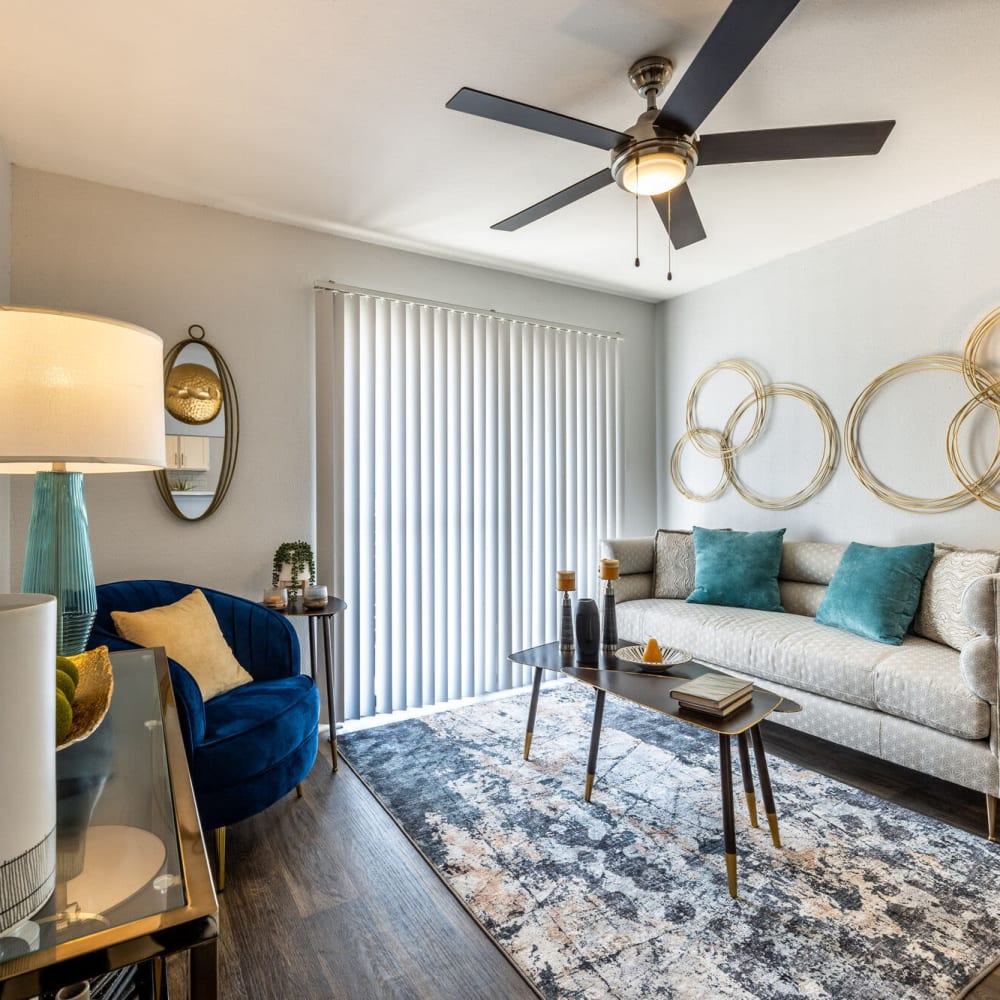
<point>132,879</point>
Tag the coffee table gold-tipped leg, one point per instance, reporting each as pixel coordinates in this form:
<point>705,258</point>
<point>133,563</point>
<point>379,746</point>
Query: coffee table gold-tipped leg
<point>595,739</point>
<point>731,874</point>
<point>772,822</point>
<point>741,742</point>
<point>765,784</point>
<point>728,820</point>
<point>529,729</point>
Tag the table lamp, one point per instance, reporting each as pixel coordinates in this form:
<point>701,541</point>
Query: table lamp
<point>77,394</point>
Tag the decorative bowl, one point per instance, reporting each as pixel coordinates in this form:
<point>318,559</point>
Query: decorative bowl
<point>631,656</point>
<point>93,694</point>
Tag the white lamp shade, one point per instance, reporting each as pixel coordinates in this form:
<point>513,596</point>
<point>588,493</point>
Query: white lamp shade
<point>82,390</point>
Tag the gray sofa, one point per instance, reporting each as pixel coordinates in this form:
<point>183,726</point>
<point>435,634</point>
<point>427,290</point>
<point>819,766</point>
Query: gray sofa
<point>930,704</point>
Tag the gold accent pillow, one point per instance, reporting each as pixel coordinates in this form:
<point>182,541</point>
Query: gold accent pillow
<point>189,632</point>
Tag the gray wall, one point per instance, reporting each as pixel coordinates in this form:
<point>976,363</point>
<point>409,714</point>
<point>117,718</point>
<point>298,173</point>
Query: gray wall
<point>165,265</point>
<point>5,198</point>
<point>832,318</point>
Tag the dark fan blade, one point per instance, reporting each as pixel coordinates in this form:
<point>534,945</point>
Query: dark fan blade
<point>853,139</point>
<point>742,32</point>
<point>499,109</point>
<point>684,223</point>
<point>560,200</point>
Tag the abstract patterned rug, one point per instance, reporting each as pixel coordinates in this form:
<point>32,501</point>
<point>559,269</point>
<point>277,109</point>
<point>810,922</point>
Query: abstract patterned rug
<point>626,897</point>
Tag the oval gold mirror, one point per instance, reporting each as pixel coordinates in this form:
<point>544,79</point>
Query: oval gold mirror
<point>202,426</point>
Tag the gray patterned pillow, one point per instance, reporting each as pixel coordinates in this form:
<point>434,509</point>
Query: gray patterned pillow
<point>673,568</point>
<point>939,614</point>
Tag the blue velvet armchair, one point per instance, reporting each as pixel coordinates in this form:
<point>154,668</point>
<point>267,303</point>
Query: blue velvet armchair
<point>250,746</point>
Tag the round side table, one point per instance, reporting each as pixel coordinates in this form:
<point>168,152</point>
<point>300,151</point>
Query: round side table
<point>314,616</point>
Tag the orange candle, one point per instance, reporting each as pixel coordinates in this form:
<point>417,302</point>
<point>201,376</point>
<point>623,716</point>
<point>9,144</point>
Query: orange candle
<point>609,569</point>
<point>565,579</point>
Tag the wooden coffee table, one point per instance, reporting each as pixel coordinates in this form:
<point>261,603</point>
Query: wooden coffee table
<point>652,691</point>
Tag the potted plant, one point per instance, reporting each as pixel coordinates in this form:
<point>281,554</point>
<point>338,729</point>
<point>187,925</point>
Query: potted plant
<point>294,566</point>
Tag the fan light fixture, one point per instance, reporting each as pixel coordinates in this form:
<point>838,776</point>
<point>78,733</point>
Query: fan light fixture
<point>653,166</point>
<point>654,173</point>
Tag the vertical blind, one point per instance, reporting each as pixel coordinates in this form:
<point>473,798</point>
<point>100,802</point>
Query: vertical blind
<point>462,458</point>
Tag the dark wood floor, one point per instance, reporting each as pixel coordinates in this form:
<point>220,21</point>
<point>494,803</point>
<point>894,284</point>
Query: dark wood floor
<point>326,898</point>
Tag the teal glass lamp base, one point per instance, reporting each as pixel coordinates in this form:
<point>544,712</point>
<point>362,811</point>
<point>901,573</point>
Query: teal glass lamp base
<point>57,560</point>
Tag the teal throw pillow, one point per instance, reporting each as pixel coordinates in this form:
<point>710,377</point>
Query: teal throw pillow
<point>876,590</point>
<point>738,569</point>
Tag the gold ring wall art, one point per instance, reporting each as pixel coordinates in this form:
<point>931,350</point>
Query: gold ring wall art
<point>828,459</point>
<point>984,388</point>
<point>718,444</point>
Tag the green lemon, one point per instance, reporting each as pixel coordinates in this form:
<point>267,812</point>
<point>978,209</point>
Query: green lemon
<point>64,716</point>
<point>65,664</point>
<point>65,684</point>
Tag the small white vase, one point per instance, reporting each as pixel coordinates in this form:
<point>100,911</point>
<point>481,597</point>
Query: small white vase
<point>28,750</point>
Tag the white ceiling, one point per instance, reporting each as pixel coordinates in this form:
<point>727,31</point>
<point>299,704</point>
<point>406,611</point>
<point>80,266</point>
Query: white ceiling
<point>330,114</point>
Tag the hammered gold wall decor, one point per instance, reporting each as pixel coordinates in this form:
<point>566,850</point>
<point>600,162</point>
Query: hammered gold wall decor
<point>193,394</point>
<point>714,443</point>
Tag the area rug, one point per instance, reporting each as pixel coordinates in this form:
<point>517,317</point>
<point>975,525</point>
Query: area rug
<point>626,897</point>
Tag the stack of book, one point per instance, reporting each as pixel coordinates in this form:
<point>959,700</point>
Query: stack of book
<point>718,695</point>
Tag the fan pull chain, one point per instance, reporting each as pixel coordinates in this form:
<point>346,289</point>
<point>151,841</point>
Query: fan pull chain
<point>670,240</point>
<point>637,212</point>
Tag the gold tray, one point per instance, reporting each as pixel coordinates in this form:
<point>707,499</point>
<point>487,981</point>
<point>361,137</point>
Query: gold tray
<point>631,656</point>
<point>93,694</point>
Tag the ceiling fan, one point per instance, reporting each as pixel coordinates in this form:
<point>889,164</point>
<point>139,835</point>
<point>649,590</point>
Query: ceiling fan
<point>657,155</point>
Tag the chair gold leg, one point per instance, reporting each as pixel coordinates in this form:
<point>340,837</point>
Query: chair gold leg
<point>298,790</point>
<point>991,817</point>
<point>220,851</point>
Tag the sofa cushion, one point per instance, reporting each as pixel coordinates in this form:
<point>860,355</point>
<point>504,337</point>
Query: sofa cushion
<point>737,569</point>
<point>876,589</point>
<point>673,573</point>
<point>918,680</point>
<point>939,614</point>
<point>922,681</point>
<point>801,598</point>
<point>810,562</point>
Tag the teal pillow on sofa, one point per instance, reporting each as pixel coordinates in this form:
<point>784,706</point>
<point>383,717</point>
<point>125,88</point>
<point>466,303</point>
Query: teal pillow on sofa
<point>875,590</point>
<point>738,569</point>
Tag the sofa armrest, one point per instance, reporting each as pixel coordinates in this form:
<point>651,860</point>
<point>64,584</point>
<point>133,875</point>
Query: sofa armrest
<point>635,557</point>
<point>979,656</point>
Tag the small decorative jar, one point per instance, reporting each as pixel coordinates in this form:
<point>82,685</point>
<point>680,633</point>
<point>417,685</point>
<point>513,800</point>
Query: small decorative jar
<point>315,597</point>
<point>276,597</point>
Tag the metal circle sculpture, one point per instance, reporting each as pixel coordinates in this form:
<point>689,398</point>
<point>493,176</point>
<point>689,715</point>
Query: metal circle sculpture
<point>697,434</point>
<point>722,453</point>
<point>719,444</point>
<point>984,388</point>
<point>828,460</point>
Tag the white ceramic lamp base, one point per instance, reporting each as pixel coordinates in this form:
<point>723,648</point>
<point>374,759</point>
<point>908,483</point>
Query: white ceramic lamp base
<point>27,748</point>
